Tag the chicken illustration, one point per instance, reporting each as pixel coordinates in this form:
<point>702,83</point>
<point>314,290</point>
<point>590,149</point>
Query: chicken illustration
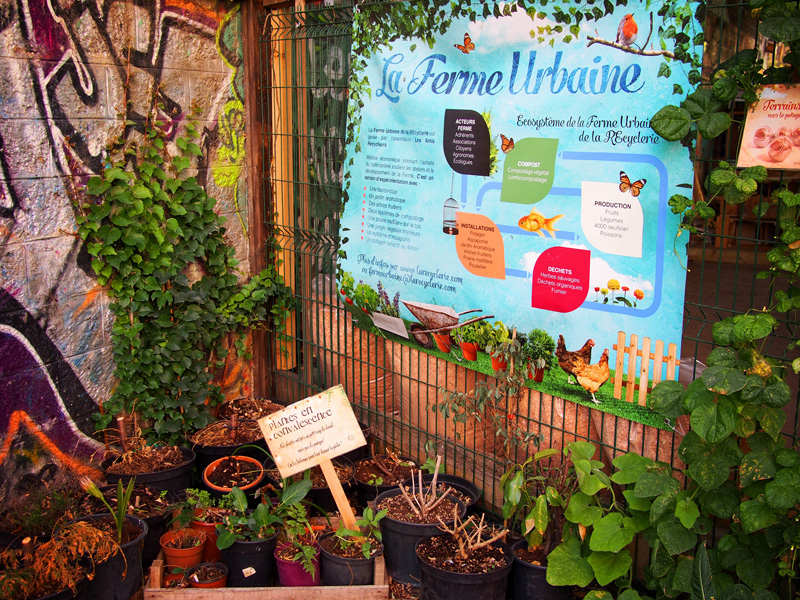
<point>591,377</point>
<point>567,359</point>
<point>627,31</point>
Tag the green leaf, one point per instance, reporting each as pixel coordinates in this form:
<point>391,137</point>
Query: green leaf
<point>295,492</point>
<point>580,511</point>
<point>783,493</point>
<point>675,537</point>
<point>714,421</point>
<point>721,502</point>
<point>666,399</point>
<point>650,485</point>
<point>781,29</point>
<point>702,582</point>
<point>757,574</point>
<point>749,328</point>
<point>771,419</point>
<point>672,123</point>
<point>141,191</point>
<point>632,465</point>
<point>566,565</point>
<point>756,466</point>
<point>687,512</point>
<point>608,566</point>
<point>724,380</point>
<point>612,533</point>
<point>755,515</point>
<point>714,124</point>
<point>725,89</point>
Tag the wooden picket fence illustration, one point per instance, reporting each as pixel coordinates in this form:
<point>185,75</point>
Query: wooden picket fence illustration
<point>639,365</point>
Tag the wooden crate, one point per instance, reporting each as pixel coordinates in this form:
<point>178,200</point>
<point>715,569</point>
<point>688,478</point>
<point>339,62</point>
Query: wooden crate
<point>379,591</point>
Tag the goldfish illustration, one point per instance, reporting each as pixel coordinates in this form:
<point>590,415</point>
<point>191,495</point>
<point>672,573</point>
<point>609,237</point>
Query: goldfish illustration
<point>537,223</point>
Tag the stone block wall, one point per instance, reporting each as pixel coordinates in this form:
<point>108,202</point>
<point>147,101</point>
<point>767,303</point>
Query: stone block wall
<point>68,68</point>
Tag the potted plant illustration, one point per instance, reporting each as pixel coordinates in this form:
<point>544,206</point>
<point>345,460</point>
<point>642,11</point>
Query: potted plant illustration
<point>247,537</point>
<point>538,351</point>
<point>208,575</point>
<point>497,340</point>
<point>472,337</point>
<point>443,341</point>
<point>56,569</point>
<point>535,498</point>
<point>120,576</point>
<point>468,562</point>
<point>183,547</point>
<point>411,514</point>
<point>348,555</point>
<point>297,554</point>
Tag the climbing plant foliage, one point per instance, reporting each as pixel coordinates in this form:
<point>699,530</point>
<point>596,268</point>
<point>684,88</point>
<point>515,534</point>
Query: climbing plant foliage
<point>159,247</point>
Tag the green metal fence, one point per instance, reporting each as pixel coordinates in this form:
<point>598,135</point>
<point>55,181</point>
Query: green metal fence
<point>304,57</point>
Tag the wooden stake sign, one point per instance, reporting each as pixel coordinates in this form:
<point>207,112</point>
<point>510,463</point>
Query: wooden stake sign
<point>311,432</point>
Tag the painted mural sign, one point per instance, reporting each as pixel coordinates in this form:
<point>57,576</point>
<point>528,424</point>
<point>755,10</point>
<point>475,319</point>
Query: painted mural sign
<point>509,166</point>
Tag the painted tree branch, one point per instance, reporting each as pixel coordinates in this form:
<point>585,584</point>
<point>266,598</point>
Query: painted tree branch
<point>630,50</point>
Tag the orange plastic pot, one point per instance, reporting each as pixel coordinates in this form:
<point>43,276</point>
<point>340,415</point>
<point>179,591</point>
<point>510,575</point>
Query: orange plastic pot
<point>182,557</point>
<point>248,463</point>
<point>469,350</point>
<point>499,364</point>
<point>219,582</point>
<point>443,342</point>
<point>210,553</point>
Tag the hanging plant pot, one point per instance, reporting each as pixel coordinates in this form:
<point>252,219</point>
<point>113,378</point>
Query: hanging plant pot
<point>400,537</point>
<point>528,580</point>
<point>175,476</point>
<point>208,575</point>
<point>345,570</point>
<point>443,342</point>
<point>183,547</point>
<point>119,577</point>
<point>222,475</point>
<point>469,350</point>
<point>442,584</point>
<point>251,563</point>
<point>292,573</point>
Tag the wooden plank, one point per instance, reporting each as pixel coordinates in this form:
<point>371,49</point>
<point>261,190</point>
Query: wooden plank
<point>657,362</point>
<point>355,592</point>
<point>339,496</point>
<point>672,356</point>
<point>644,372</point>
<point>618,374</point>
<point>154,581</point>
<point>630,385</point>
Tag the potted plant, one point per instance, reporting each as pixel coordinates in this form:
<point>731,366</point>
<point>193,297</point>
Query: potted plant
<point>39,512</point>
<point>203,512</point>
<point>183,547</point>
<point>247,537</point>
<point>535,497</point>
<point>348,556</point>
<point>228,472</point>
<point>443,341</point>
<point>380,473</point>
<point>460,487</point>
<point>55,569</point>
<point>208,575</point>
<point>226,437</point>
<point>472,337</point>
<point>120,576</point>
<point>411,514</point>
<point>320,495</point>
<point>160,465</point>
<point>538,351</point>
<point>497,340</point>
<point>466,562</point>
<point>297,555</point>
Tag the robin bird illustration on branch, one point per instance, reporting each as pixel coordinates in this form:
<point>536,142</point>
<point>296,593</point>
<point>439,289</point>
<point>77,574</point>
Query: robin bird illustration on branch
<point>627,31</point>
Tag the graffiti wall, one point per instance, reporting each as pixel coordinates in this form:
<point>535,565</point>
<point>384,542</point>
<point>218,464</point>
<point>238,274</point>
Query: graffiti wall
<point>68,68</point>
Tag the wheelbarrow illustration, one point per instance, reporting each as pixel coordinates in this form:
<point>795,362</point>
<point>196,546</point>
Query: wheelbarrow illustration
<point>436,319</point>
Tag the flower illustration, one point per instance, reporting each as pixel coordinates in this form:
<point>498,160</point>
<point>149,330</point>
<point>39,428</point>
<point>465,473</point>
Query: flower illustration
<point>604,291</point>
<point>638,294</point>
<point>597,291</point>
<point>613,285</point>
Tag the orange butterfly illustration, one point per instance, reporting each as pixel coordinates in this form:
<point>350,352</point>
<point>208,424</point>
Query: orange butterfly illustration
<point>506,144</point>
<point>625,184</point>
<point>468,45</point>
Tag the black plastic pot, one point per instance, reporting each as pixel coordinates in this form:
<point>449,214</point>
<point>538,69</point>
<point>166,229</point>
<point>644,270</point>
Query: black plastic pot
<point>66,594</point>
<point>528,581</point>
<point>340,570</point>
<point>119,577</point>
<point>175,479</point>
<point>460,484</point>
<point>207,454</point>
<point>437,584</point>
<point>361,452</point>
<point>400,539</point>
<point>322,497</point>
<point>251,564</point>
<point>367,492</point>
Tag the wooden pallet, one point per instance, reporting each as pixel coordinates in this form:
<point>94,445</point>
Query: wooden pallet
<point>379,591</point>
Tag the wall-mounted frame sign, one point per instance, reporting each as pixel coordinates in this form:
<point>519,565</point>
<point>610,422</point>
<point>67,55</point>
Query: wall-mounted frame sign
<point>503,160</point>
<point>771,136</point>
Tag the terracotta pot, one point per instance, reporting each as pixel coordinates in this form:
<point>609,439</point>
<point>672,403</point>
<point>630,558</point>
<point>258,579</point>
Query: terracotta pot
<point>219,582</point>
<point>443,341</point>
<point>210,551</point>
<point>499,365</point>
<point>470,350</point>
<point>538,374</point>
<point>247,463</point>
<point>182,557</point>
